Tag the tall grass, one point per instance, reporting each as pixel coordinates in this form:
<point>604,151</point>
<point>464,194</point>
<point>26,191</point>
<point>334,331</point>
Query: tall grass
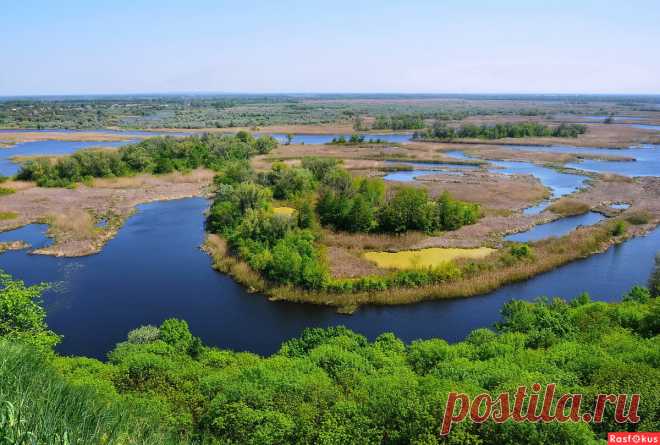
<point>569,207</point>
<point>37,406</point>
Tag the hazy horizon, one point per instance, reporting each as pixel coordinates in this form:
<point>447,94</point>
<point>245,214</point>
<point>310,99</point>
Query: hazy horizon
<point>74,48</point>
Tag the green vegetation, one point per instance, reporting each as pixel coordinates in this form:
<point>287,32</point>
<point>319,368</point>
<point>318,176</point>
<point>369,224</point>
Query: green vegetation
<point>6,191</point>
<point>355,139</point>
<point>21,315</point>
<point>619,228</point>
<point>654,279</point>
<point>399,122</point>
<point>215,111</point>
<point>287,250</point>
<point>153,155</point>
<point>361,206</point>
<point>332,385</point>
<point>441,131</point>
<point>8,215</point>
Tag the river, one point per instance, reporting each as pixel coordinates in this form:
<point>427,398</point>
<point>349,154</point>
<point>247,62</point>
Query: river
<point>153,269</point>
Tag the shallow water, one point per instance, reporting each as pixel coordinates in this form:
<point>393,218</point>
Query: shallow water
<point>646,127</point>
<point>615,118</point>
<point>557,228</point>
<point>138,279</point>
<point>433,168</point>
<point>646,163</point>
<point>560,184</point>
<point>536,209</point>
<point>326,138</point>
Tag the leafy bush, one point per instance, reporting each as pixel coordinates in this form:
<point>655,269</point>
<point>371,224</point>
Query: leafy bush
<point>333,384</point>
<point>521,251</point>
<point>144,334</point>
<point>153,155</point>
<point>619,228</point>
<point>21,315</point>
<point>441,131</point>
<point>360,206</point>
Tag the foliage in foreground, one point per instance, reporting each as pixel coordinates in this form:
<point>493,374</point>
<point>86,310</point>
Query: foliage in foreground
<point>333,386</point>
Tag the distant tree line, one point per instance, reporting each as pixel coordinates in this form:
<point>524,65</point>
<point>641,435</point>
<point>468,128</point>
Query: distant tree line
<point>399,122</point>
<point>442,131</point>
<point>355,139</point>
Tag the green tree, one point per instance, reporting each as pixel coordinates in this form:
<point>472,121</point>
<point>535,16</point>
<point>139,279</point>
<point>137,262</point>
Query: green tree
<point>654,279</point>
<point>21,315</point>
<point>175,332</point>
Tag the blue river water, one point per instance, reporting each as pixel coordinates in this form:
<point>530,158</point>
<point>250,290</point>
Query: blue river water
<point>153,269</point>
<point>559,227</point>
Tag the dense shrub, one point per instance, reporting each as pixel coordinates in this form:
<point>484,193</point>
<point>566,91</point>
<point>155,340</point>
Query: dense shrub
<point>361,206</point>
<point>399,122</point>
<point>154,155</point>
<point>440,130</point>
<point>335,386</point>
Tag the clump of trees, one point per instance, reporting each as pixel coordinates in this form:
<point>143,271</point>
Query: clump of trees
<point>399,122</point>
<point>442,131</point>
<point>154,155</point>
<point>285,250</point>
<point>355,139</point>
<point>363,206</point>
<point>333,385</point>
<point>281,248</point>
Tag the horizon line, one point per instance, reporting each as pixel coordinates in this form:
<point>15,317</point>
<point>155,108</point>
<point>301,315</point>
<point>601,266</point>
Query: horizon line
<point>316,93</point>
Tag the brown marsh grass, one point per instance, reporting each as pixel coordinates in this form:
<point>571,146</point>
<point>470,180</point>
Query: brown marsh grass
<point>569,207</point>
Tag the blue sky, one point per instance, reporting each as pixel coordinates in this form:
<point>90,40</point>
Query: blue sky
<point>515,46</point>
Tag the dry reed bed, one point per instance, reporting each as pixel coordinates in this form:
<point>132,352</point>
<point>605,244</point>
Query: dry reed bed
<point>73,214</point>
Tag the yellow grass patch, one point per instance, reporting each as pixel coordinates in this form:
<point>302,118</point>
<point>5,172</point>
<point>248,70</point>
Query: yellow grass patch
<point>431,257</point>
<point>287,211</point>
<point>75,224</point>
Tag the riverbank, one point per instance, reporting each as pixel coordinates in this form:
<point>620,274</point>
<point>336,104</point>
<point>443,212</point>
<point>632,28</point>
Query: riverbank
<point>16,137</point>
<point>82,219</point>
<point>550,254</point>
